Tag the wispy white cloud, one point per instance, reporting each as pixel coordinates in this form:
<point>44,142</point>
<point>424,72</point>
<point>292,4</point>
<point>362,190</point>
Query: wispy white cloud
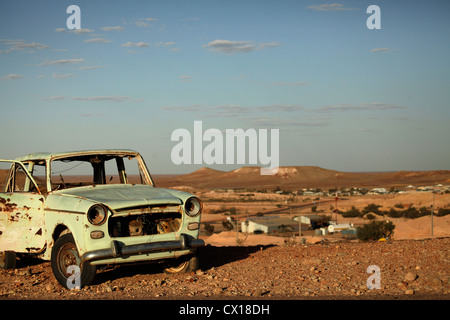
<point>61,62</point>
<point>116,28</point>
<point>234,110</point>
<point>107,98</point>
<point>229,111</point>
<point>12,76</point>
<point>136,44</point>
<point>165,44</point>
<point>75,31</point>
<point>169,44</point>
<point>374,106</point>
<point>386,50</point>
<point>91,67</point>
<point>21,45</point>
<point>54,98</point>
<point>62,76</point>
<point>115,99</point>
<point>281,108</point>
<point>268,45</point>
<point>285,123</point>
<point>33,45</point>
<point>230,47</point>
<point>185,78</point>
<point>142,24</point>
<point>330,7</point>
<point>11,40</point>
<point>213,111</point>
<point>145,22</point>
<point>97,40</point>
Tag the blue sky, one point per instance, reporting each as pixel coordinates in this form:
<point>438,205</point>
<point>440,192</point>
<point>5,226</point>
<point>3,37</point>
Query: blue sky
<point>343,97</point>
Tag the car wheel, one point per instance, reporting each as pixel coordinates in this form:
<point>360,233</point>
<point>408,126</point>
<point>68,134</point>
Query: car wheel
<point>7,260</point>
<point>186,266</point>
<point>66,264</point>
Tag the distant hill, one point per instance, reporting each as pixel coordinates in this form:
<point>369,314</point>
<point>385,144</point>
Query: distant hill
<point>294,178</point>
<point>298,177</point>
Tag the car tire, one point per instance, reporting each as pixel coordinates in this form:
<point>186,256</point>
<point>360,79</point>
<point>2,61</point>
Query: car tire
<point>64,255</point>
<point>7,260</point>
<point>186,266</point>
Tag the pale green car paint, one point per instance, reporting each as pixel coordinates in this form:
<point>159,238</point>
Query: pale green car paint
<point>32,218</point>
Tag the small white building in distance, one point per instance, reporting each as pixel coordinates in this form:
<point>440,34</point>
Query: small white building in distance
<point>270,224</point>
<point>332,228</point>
<point>379,191</point>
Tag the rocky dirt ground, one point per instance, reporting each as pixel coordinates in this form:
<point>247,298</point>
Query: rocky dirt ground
<point>409,269</point>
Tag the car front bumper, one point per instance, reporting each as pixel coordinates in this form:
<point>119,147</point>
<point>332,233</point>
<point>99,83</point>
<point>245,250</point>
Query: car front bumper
<point>120,250</point>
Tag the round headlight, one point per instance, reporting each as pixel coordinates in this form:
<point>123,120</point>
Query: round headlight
<point>96,214</point>
<point>192,206</point>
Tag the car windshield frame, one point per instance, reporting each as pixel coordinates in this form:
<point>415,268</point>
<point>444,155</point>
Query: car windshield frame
<point>99,177</point>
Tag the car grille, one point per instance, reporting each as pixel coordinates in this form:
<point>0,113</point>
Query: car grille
<point>141,221</point>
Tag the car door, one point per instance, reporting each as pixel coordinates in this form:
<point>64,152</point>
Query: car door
<point>22,227</point>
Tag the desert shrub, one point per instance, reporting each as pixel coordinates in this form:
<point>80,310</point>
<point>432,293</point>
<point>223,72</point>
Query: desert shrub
<point>209,229</point>
<point>370,216</point>
<point>374,208</point>
<point>375,230</point>
<point>352,213</point>
<point>232,210</point>
<point>222,209</point>
<point>443,212</point>
<point>399,206</point>
<point>227,225</point>
<point>424,211</point>
<point>392,213</point>
<point>411,213</point>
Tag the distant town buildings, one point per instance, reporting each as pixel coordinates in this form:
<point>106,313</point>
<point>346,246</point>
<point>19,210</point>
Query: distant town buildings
<point>344,192</point>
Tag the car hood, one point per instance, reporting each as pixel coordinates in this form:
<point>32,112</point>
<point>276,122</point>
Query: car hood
<point>123,196</point>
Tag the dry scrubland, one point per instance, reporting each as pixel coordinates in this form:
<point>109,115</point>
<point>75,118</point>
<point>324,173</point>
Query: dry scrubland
<point>286,205</point>
<point>245,191</point>
<point>413,264</point>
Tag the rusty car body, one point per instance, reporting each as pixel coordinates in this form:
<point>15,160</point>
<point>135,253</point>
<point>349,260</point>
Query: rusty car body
<point>85,209</point>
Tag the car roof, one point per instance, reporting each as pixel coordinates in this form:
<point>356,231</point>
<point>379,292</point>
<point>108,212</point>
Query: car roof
<point>55,155</point>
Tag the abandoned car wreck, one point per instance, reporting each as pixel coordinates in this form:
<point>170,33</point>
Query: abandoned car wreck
<point>94,208</point>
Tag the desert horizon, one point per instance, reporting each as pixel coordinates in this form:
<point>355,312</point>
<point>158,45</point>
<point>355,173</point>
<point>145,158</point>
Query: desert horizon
<point>291,177</point>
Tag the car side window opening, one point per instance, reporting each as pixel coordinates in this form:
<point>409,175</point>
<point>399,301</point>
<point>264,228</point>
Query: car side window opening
<point>18,180</point>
